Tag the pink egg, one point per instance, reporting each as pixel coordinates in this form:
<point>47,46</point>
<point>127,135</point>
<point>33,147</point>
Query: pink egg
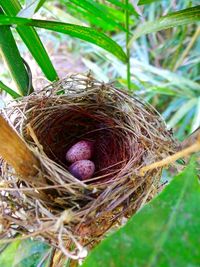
<point>82,169</point>
<point>81,150</point>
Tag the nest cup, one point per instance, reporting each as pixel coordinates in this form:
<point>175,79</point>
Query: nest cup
<point>126,136</point>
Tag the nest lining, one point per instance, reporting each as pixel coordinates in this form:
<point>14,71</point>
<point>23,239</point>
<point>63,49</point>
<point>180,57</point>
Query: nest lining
<point>127,135</point>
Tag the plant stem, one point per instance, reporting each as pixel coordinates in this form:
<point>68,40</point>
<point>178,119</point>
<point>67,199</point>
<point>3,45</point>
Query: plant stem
<point>170,159</point>
<point>127,47</point>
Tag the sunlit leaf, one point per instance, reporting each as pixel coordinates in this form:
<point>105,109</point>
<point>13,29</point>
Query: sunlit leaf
<point>145,2</point>
<point>84,33</point>
<point>8,90</point>
<point>129,7</point>
<point>165,232</point>
<point>183,17</point>
<point>12,57</point>
<point>98,10</point>
<point>84,16</point>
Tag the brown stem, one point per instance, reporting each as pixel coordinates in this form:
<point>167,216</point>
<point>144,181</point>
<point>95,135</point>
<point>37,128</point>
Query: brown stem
<point>189,145</point>
<point>190,140</point>
<point>16,153</point>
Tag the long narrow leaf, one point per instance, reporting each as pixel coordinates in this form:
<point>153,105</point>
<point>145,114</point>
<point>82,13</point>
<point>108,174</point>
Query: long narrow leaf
<point>9,90</point>
<point>122,5</point>
<point>11,7</point>
<point>12,57</point>
<point>97,10</point>
<point>145,2</point>
<point>183,17</point>
<point>83,16</point>
<point>32,40</point>
<point>84,33</point>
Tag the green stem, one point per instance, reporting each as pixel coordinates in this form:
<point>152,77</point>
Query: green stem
<point>127,47</point>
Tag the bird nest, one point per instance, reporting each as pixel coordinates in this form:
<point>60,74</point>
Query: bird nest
<point>66,212</point>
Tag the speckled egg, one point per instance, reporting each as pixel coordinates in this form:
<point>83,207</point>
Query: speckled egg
<point>81,150</point>
<point>82,169</point>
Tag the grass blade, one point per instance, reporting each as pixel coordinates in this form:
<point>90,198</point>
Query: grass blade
<point>9,90</point>
<point>98,10</point>
<point>145,2</point>
<point>13,59</point>
<point>183,17</point>
<point>124,6</point>
<point>32,41</point>
<point>85,33</point>
<point>83,16</point>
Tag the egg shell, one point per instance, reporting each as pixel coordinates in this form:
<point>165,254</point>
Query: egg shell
<point>81,150</point>
<point>82,169</point>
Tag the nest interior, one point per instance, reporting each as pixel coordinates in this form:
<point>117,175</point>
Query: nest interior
<point>127,135</point>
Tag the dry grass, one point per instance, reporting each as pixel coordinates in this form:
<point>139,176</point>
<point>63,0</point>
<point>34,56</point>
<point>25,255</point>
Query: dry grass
<point>66,212</point>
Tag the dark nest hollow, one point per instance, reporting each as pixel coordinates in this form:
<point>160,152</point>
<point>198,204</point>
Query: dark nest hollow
<point>64,211</point>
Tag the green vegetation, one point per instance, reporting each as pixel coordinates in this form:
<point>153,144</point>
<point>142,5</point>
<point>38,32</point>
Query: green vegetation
<point>152,49</point>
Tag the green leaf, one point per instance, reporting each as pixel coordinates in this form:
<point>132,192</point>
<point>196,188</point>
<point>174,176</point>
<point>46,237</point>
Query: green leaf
<point>122,5</point>
<point>164,233</point>
<point>32,40</point>
<point>183,17</point>
<point>11,7</point>
<point>8,254</point>
<point>98,10</point>
<point>85,33</point>
<point>145,2</point>
<point>14,62</point>
<point>9,90</point>
<point>82,14</point>
<point>25,253</point>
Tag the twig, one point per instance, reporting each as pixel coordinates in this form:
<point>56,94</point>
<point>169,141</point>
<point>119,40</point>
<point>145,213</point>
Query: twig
<point>183,153</point>
<point>191,139</point>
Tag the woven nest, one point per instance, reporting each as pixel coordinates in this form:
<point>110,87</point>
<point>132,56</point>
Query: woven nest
<point>64,211</point>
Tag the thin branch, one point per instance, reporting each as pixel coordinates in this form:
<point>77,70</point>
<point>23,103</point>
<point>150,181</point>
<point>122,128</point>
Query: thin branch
<point>183,153</point>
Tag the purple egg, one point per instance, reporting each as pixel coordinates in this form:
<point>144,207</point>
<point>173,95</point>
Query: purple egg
<point>82,169</point>
<point>81,150</point>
